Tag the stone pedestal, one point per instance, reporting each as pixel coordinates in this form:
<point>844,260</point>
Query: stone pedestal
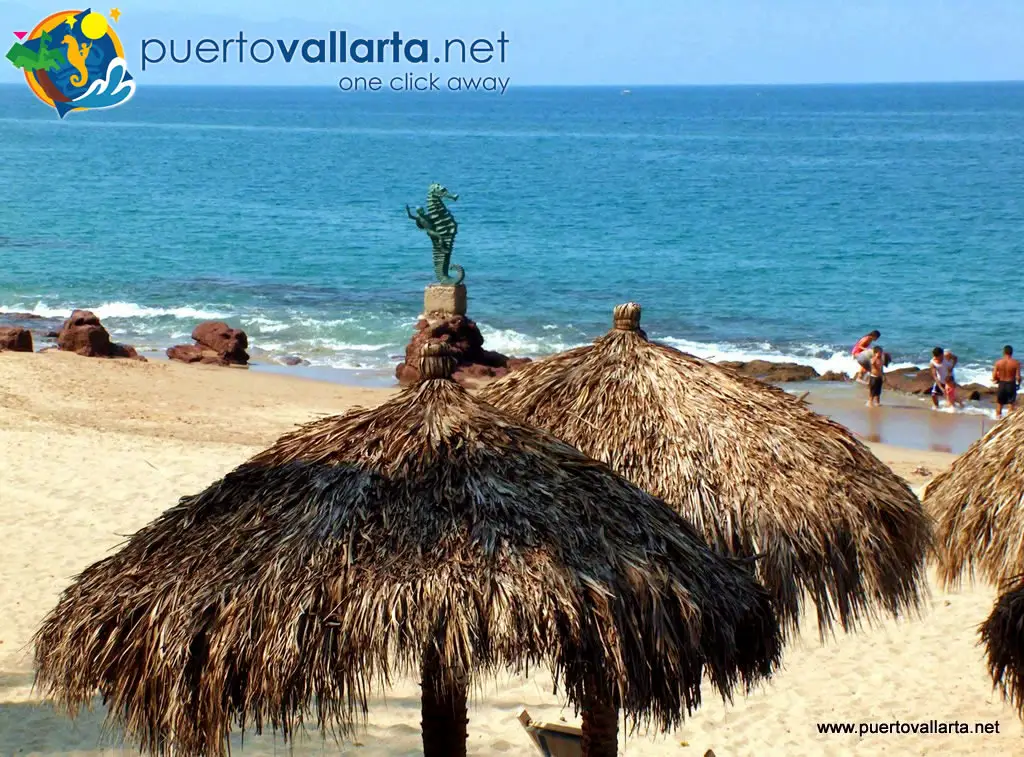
<point>445,298</point>
<point>444,319</point>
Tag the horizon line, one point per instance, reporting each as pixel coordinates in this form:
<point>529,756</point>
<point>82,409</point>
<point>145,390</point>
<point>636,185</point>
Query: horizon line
<point>894,83</point>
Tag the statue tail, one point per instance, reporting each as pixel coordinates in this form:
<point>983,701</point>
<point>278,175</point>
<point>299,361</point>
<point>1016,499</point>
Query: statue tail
<point>443,276</point>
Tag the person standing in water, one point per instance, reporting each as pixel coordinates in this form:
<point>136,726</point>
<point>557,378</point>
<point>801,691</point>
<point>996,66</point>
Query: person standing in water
<point>941,367</point>
<point>950,358</point>
<point>1006,375</point>
<point>876,377</point>
<point>862,354</point>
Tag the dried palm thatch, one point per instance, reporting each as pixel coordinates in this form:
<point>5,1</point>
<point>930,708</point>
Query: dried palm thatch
<point>1003,637</point>
<point>430,534</point>
<point>978,504</point>
<point>751,466</point>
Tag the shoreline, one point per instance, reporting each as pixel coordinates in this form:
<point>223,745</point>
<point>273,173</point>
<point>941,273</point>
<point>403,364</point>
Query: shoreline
<point>373,363</point>
<point>904,420</point>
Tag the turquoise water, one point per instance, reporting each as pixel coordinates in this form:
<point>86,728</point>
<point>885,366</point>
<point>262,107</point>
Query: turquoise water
<point>779,222</point>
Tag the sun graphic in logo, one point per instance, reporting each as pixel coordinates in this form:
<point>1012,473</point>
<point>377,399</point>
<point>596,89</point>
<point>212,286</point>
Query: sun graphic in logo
<point>74,61</point>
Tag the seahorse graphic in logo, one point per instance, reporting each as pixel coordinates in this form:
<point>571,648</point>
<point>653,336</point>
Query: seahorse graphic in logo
<point>76,57</point>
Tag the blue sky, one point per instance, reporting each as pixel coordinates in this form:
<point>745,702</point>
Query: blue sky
<point>625,42</point>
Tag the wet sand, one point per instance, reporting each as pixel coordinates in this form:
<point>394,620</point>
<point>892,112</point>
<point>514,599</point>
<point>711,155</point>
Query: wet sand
<point>902,421</point>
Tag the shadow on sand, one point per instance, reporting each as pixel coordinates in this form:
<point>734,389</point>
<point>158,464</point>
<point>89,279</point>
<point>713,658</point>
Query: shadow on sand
<point>36,728</point>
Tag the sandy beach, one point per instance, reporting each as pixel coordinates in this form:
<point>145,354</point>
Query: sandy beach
<point>94,449</point>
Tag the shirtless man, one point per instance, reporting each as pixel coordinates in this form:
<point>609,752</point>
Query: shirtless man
<point>1006,374</point>
<point>862,354</point>
<point>877,377</point>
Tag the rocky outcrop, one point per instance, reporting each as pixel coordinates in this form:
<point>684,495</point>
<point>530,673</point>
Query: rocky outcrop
<point>229,343</point>
<point>834,376</point>
<point>83,334</point>
<point>194,353</point>
<point>976,392</point>
<point>474,363</point>
<point>773,373</point>
<point>909,380</point>
<point>919,381</point>
<point>16,339</point>
<point>216,343</point>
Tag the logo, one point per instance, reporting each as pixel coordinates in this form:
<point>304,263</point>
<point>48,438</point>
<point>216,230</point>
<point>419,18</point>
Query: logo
<point>73,60</point>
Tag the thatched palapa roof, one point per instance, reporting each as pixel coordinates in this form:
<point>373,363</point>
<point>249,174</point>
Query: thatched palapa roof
<point>750,465</point>
<point>1003,637</point>
<point>429,534</point>
<point>979,506</point>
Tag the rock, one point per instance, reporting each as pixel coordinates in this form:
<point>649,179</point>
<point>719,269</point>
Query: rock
<point>83,334</point>
<point>229,343</point>
<point>774,373</point>
<point>474,363</point>
<point>909,380</point>
<point>293,360</point>
<point>126,351</point>
<point>216,344</point>
<point>975,392</point>
<point>834,376</point>
<point>194,353</point>
<point>16,339</point>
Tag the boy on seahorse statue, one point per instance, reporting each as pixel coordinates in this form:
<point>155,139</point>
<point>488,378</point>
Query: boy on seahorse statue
<point>76,55</point>
<point>441,227</point>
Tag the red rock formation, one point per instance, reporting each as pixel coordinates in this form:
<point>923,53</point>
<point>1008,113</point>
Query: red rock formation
<point>466,342</point>
<point>909,380</point>
<point>216,344</point>
<point>15,339</point>
<point>194,353</point>
<point>773,373</point>
<point>83,334</point>
<point>229,343</point>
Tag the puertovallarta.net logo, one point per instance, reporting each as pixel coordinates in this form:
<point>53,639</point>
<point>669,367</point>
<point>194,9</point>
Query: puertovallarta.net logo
<point>74,61</point>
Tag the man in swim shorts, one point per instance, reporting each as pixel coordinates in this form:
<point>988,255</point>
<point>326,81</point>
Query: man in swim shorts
<point>862,354</point>
<point>1006,375</point>
<point>876,377</point>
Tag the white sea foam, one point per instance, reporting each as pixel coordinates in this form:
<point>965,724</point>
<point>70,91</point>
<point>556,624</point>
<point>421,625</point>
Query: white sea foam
<point>837,361</point>
<point>515,343</point>
<point>264,325</point>
<point>116,310</point>
<point>371,341</point>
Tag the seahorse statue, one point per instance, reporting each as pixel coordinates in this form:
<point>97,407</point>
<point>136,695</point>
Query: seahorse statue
<point>76,57</point>
<point>437,221</point>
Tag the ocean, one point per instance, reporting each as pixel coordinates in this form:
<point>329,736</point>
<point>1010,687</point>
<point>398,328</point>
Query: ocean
<point>750,222</point>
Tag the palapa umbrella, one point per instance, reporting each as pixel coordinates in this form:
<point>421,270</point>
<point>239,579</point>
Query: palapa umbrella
<point>750,465</point>
<point>1003,636</point>
<point>431,533</point>
<point>978,504</point>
